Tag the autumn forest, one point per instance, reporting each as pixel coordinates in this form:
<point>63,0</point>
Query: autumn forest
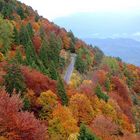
<point>100,102</point>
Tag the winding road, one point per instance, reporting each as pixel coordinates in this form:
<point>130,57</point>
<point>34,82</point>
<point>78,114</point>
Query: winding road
<point>70,69</point>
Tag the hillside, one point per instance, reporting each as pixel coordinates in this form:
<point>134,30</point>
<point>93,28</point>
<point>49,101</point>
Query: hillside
<point>100,102</point>
<point>127,49</point>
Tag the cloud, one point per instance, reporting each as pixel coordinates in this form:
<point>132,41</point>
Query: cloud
<point>58,8</point>
<point>136,34</point>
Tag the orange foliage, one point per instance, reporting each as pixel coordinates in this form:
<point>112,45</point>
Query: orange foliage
<point>81,108</point>
<point>37,81</point>
<point>136,86</point>
<point>130,136</point>
<point>104,128</point>
<point>16,125</point>
<point>65,39</point>
<point>125,107</point>
<point>66,42</point>
<point>79,44</point>
<point>11,54</point>
<point>1,57</point>
<point>70,91</point>
<point>2,71</point>
<point>50,27</point>
<point>35,26</point>
<point>121,95</point>
<point>107,119</point>
<point>87,88</point>
<point>99,77</point>
<point>3,138</point>
<point>48,101</point>
<point>62,124</point>
<point>37,43</point>
<point>122,89</point>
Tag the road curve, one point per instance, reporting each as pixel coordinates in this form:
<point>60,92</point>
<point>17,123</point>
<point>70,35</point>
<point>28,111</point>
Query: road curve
<point>70,69</point>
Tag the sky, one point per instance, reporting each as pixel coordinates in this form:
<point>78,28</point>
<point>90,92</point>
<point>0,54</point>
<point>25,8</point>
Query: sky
<point>52,9</point>
<point>93,18</point>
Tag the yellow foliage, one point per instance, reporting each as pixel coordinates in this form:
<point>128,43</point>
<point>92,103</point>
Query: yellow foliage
<point>124,123</point>
<point>48,101</point>
<point>47,98</point>
<point>118,116</point>
<point>75,80</point>
<point>109,111</point>
<point>87,82</point>
<point>101,107</point>
<point>62,124</point>
<point>35,26</point>
<point>1,57</point>
<point>3,138</point>
<point>30,92</point>
<point>81,108</point>
<point>64,54</point>
<point>31,96</point>
<point>73,136</point>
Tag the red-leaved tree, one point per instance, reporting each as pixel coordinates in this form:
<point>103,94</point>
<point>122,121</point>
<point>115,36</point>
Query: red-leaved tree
<point>105,128</point>
<point>37,81</point>
<point>16,124</point>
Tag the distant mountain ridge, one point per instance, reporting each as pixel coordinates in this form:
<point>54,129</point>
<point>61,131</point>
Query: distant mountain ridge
<point>102,25</point>
<point>127,49</point>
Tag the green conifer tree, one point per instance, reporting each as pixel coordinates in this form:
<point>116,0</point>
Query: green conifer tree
<point>98,55</point>
<point>53,71</point>
<point>43,54</point>
<point>36,18</point>
<point>6,35</point>
<point>7,10</point>
<point>71,35</point>
<point>14,80</point>
<point>24,36</point>
<point>18,57</point>
<point>61,91</point>
<point>54,49</point>
<point>1,5</point>
<point>107,85</point>
<point>31,55</point>
<point>80,64</point>
<point>86,134</point>
<point>20,12</point>
<point>16,36</point>
<point>30,30</point>
<point>42,33</point>
<point>100,94</point>
<point>72,47</point>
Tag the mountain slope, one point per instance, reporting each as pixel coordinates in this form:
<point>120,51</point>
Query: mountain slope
<point>101,101</point>
<point>127,49</point>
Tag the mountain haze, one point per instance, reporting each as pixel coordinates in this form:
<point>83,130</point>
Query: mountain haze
<point>127,49</point>
<point>54,86</point>
<point>102,25</point>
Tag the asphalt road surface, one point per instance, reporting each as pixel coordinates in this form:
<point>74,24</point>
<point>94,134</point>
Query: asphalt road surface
<point>70,69</point>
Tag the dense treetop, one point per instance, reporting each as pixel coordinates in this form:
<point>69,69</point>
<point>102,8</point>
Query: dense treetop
<point>101,101</point>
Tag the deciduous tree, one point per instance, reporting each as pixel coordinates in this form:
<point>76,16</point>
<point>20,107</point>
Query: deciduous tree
<point>105,128</point>
<point>62,124</point>
<point>18,125</point>
<point>81,108</point>
<point>48,102</point>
